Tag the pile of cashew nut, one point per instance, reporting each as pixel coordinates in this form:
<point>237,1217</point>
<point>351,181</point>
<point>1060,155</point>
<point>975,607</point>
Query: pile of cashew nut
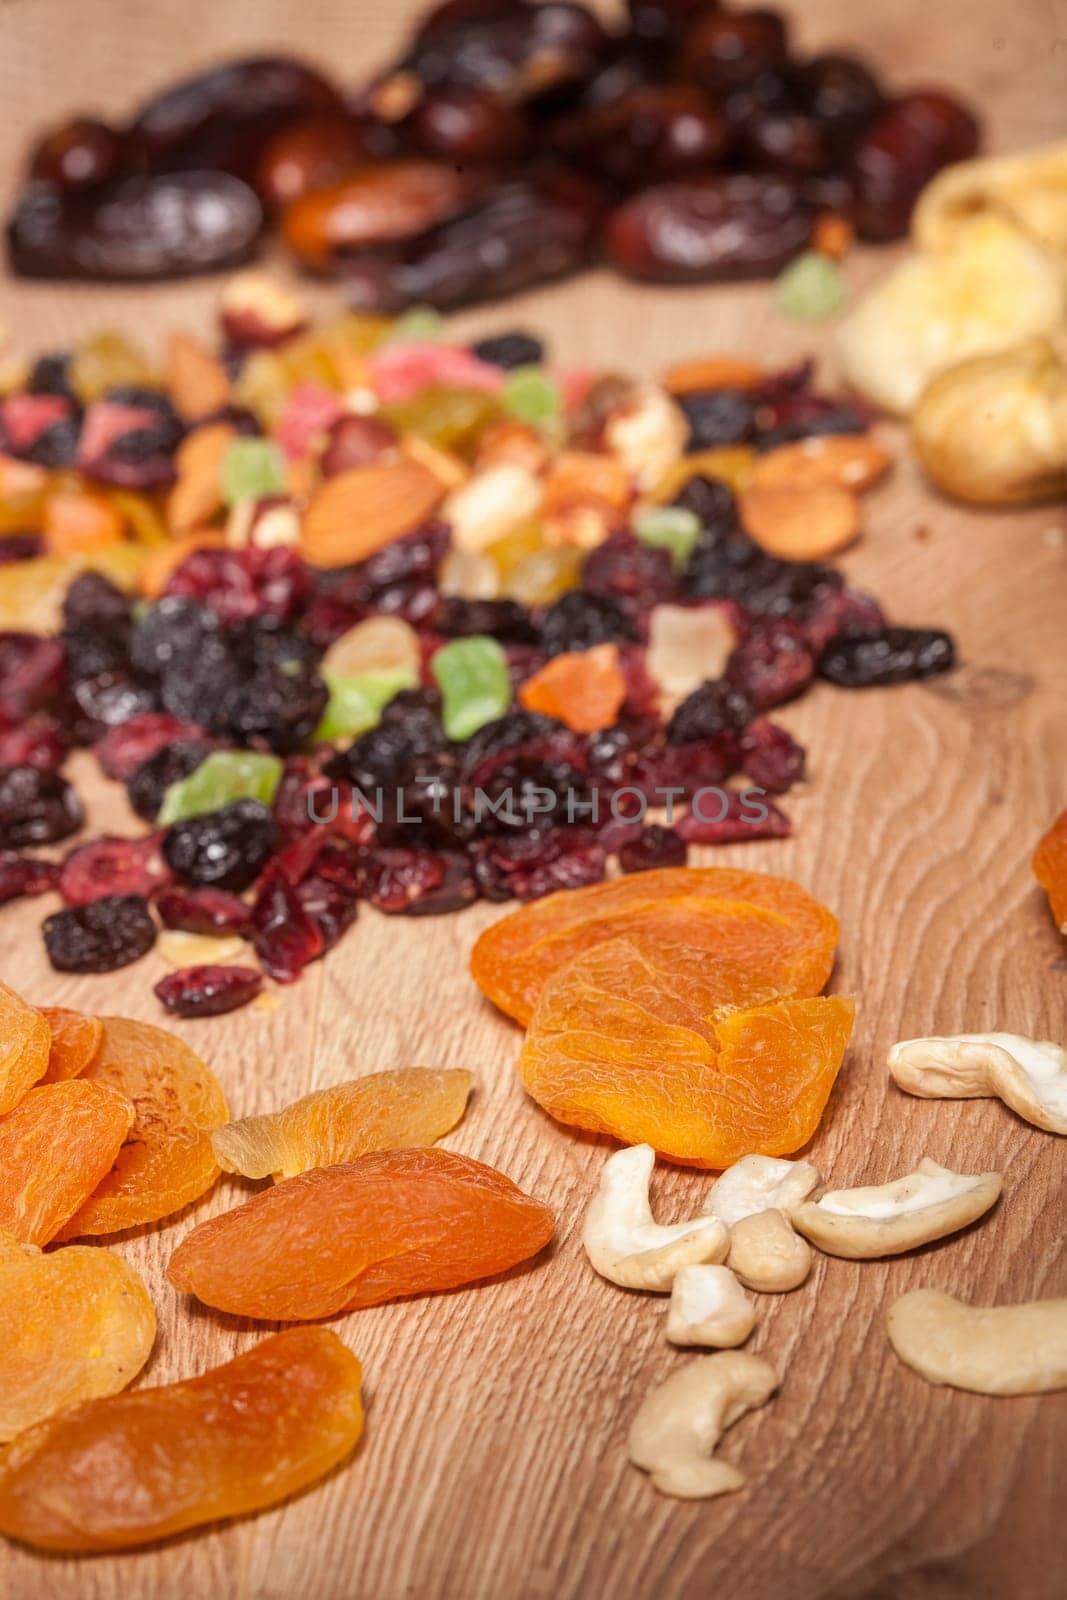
<point>755,1231</point>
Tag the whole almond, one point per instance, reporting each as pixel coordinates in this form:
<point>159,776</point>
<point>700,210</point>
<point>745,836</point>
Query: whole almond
<point>357,512</point>
<point>712,372</point>
<point>849,461</point>
<point>802,523</point>
<point>198,382</point>
<point>197,495</point>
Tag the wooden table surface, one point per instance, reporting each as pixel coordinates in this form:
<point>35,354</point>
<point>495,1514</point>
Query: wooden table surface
<point>493,1464</point>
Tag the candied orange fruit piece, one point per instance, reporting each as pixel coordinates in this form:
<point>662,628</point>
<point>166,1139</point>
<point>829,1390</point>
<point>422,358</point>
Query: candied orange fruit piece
<point>1050,869</point>
<point>394,1110</point>
<point>74,1324</point>
<point>56,1146</point>
<point>76,1040</point>
<point>582,688</point>
<point>122,1471</point>
<point>767,924</point>
<point>638,1041</point>
<point>24,1043</point>
<point>396,1222</point>
<point>167,1159</point>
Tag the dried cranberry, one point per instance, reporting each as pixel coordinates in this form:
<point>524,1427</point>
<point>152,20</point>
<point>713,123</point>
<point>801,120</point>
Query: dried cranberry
<point>147,784</point>
<point>31,671</point>
<point>224,849</point>
<point>510,350</point>
<point>729,817</point>
<point>392,879</point>
<point>839,609</point>
<point>207,911</point>
<point>579,620</point>
<point>683,768</point>
<point>208,991</point>
<point>505,620</point>
<point>771,757</point>
<point>635,574</point>
<point>111,866</point>
<point>243,583</point>
<point>284,934</point>
<point>771,664</point>
<point>399,578</point>
<point>718,417</point>
<point>654,846</point>
<point>713,707</point>
<point>36,807</point>
<point>330,908</point>
<point>527,866</point>
<point>100,937</point>
<point>39,742</point>
<point>892,655</point>
<point>124,748</point>
<point>25,875</point>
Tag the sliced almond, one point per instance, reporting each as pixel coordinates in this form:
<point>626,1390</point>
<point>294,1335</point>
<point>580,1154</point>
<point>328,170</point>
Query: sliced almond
<point>712,372</point>
<point>845,460</point>
<point>197,496</point>
<point>360,510</point>
<point>801,524</point>
<point>198,382</point>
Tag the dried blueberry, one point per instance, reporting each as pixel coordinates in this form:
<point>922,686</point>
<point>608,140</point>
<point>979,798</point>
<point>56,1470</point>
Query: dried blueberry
<point>718,417</point>
<point>577,621</point>
<point>100,937</point>
<point>275,709</point>
<point>148,783</point>
<point>510,350</point>
<point>225,849</point>
<point>654,846</point>
<point>892,655</point>
<point>36,807</point>
<point>172,635</point>
<point>713,707</point>
<point>505,620</point>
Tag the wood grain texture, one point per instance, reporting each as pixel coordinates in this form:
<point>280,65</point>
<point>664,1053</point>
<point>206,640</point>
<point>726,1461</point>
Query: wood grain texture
<point>494,1461</point>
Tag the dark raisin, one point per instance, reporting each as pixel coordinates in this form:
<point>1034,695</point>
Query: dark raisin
<point>728,817</point>
<point>123,749</point>
<point>55,447</point>
<point>654,846</point>
<point>20,547</point>
<point>93,601</point>
<point>103,702</point>
<point>112,866</point>
<point>771,664</point>
<point>36,807</point>
<point>285,936</point>
<point>718,417</point>
<point>208,991</point>
<point>172,635</point>
<point>892,655</point>
<point>713,707</point>
<point>577,621</point>
<point>510,350</point>
<point>771,757</point>
<point>267,643</point>
<point>147,784</point>
<point>276,709</point>
<point>199,688</point>
<point>91,652</point>
<point>712,501</point>
<point>208,911</point>
<point>225,849</point>
<point>25,875</point>
<point>100,937</point>
<point>505,620</point>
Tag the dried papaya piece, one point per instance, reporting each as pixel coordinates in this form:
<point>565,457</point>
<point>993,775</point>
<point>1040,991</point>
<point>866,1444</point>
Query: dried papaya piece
<point>396,1222</point>
<point>24,1044</point>
<point>74,1324</point>
<point>118,1472</point>
<point>637,1041</point>
<point>167,1159</point>
<point>768,924</point>
<point>76,1040</point>
<point>56,1146</point>
<point>393,1110</point>
<point>1050,869</point>
<point>583,688</point>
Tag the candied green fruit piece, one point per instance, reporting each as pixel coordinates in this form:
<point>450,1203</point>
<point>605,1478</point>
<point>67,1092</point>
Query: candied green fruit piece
<point>449,417</point>
<point>533,396</point>
<point>670,528</point>
<point>356,703</point>
<point>251,469</point>
<point>472,675</point>
<point>417,325</point>
<point>810,288</point>
<point>221,777</point>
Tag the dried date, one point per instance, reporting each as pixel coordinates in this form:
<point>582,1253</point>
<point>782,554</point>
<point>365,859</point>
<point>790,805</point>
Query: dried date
<point>913,139</point>
<point>79,155</point>
<point>706,230</point>
<point>651,133</point>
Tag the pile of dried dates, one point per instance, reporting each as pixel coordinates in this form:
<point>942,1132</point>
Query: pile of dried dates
<point>510,143</point>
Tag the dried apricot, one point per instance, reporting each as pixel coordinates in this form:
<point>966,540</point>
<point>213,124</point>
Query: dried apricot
<point>58,1143</point>
<point>75,1042</point>
<point>767,924</point>
<point>843,460</point>
<point>396,1222</point>
<point>583,688</point>
<point>1050,869</point>
<point>801,523</point>
<point>24,1044</point>
<point>123,1471</point>
<point>636,1041</point>
<point>74,1324</point>
<point>384,1111</point>
<point>167,1158</point>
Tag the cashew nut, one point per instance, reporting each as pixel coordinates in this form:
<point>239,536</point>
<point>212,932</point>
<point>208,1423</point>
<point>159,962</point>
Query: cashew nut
<point>766,1254</point>
<point>491,503</point>
<point>888,1218</point>
<point>760,1183</point>
<point>709,1306</point>
<point>1029,1075</point>
<point>1017,1349</point>
<point>679,1424</point>
<point>622,1238</point>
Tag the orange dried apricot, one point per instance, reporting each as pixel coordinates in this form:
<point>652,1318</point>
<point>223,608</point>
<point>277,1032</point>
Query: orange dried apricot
<point>77,519</point>
<point>1050,869</point>
<point>637,1042</point>
<point>167,1159</point>
<point>57,1144</point>
<point>75,1042</point>
<point>394,1110</point>
<point>136,1467</point>
<point>24,1044</point>
<point>396,1222</point>
<point>582,688</point>
<point>768,924</point>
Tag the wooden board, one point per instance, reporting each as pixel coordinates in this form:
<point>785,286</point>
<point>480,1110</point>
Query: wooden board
<point>494,1463</point>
